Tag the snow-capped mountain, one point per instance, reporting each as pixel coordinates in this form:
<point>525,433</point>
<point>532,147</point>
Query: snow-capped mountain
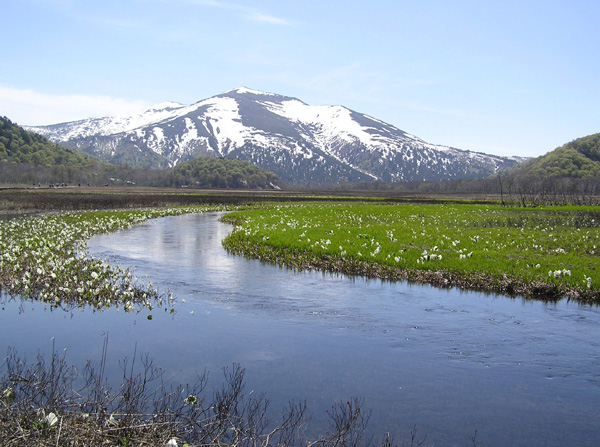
<point>299,142</point>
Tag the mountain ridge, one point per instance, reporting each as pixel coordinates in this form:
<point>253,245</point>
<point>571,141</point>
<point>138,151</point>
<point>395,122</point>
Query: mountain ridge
<point>299,142</point>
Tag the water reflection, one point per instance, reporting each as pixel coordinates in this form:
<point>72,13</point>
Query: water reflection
<point>521,372</point>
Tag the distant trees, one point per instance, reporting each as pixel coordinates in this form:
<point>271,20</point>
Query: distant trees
<point>570,173</point>
<point>205,172</point>
<point>20,146</point>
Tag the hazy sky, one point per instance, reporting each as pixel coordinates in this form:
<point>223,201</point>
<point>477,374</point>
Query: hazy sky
<point>507,77</point>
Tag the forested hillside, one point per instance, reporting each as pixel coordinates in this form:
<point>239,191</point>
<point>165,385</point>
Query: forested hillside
<point>579,159</point>
<point>570,173</point>
<point>26,157</point>
<point>221,173</point>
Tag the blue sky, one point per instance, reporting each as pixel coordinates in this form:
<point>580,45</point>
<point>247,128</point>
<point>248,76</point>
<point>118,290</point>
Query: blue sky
<point>503,77</point>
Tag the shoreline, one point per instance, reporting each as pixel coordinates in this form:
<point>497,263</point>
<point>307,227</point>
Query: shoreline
<point>478,282</point>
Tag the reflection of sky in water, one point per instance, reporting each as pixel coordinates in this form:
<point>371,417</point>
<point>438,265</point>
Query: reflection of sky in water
<point>522,373</point>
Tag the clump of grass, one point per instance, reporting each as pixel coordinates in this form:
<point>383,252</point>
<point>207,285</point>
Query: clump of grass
<point>45,258</point>
<point>546,253</point>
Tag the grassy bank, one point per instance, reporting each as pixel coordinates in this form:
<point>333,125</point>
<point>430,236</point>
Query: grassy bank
<point>546,253</point>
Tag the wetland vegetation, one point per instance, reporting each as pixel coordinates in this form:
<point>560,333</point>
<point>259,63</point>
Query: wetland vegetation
<point>51,403</point>
<point>544,252</point>
<point>541,252</point>
<point>538,252</point>
<point>44,258</point>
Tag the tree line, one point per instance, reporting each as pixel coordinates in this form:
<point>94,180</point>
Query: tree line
<point>569,174</point>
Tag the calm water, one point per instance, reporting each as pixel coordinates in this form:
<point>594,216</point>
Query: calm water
<point>521,373</point>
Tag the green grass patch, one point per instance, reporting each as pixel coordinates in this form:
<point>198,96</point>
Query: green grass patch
<point>547,252</point>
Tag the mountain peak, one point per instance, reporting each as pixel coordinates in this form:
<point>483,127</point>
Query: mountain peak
<point>246,90</point>
<point>299,142</point>
<point>249,95</point>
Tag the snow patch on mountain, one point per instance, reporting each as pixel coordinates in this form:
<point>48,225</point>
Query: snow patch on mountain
<point>226,121</point>
<point>331,121</point>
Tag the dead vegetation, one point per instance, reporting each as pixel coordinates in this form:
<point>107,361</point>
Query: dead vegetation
<point>51,403</point>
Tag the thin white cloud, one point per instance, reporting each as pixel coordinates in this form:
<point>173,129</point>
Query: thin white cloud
<point>246,12</point>
<point>28,107</point>
<point>259,17</point>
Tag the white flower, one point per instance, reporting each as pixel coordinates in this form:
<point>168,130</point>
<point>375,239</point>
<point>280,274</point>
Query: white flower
<point>112,420</point>
<point>8,395</point>
<point>49,419</point>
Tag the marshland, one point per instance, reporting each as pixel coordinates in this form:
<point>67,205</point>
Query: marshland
<point>134,303</point>
<point>543,252</point>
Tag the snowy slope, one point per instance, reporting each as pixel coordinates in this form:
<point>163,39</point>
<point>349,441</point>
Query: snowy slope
<point>299,142</point>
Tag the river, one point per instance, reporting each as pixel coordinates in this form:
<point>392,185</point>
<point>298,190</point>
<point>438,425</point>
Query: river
<point>521,373</point>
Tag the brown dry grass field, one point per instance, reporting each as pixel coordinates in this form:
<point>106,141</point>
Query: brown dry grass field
<point>26,199</point>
